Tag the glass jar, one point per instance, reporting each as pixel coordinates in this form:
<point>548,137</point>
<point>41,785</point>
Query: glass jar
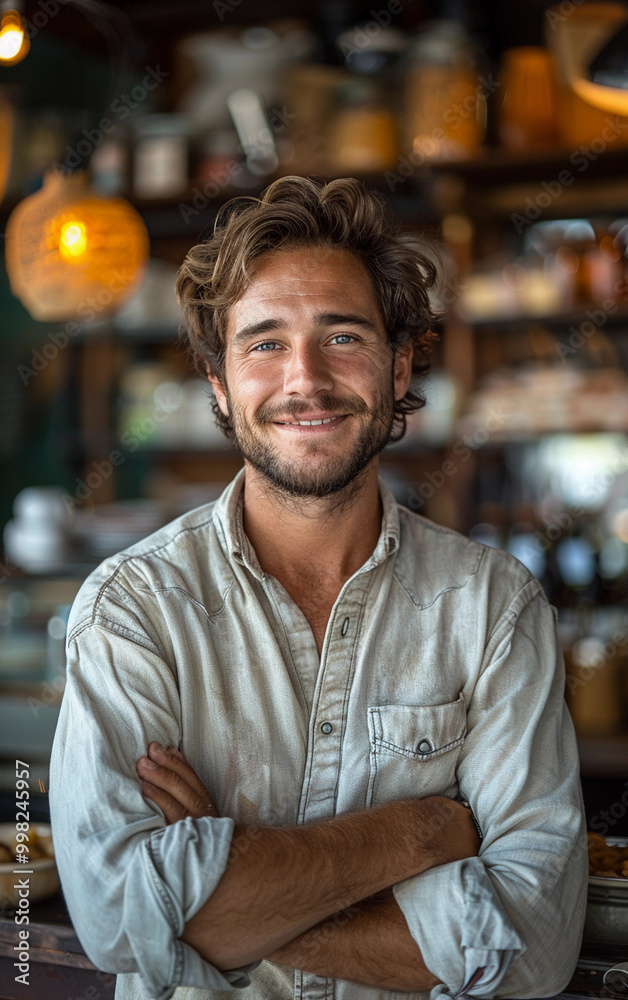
<point>445,97</point>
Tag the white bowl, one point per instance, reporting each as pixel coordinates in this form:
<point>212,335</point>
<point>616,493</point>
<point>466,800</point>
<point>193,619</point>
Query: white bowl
<point>42,874</point>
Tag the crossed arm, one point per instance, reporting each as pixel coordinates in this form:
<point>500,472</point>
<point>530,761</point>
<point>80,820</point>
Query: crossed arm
<point>316,897</point>
<point>368,944</point>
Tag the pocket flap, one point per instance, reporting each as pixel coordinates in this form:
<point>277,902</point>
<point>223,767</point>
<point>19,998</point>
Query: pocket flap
<point>417,731</point>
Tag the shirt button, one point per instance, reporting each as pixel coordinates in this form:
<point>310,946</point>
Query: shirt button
<point>424,746</point>
<point>326,727</point>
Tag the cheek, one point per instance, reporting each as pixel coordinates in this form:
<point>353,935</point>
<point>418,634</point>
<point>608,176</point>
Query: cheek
<point>254,380</point>
<point>364,370</point>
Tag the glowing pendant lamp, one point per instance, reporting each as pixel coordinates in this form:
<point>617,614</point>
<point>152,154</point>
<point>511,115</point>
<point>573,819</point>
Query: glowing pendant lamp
<point>14,41</point>
<point>72,254</point>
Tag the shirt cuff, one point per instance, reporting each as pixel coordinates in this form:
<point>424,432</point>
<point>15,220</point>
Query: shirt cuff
<point>182,863</point>
<point>458,920</point>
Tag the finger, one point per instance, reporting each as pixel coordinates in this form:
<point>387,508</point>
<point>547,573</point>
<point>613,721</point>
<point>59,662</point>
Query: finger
<point>171,782</point>
<point>173,759</point>
<point>192,777</point>
<point>168,759</point>
<point>172,810</point>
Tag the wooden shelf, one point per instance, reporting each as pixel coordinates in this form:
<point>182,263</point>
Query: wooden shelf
<point>553,184</point>
<point>493,165</point>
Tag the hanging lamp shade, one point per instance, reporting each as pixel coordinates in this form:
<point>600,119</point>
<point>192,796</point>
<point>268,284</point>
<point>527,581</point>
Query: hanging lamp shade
<point>590,50</point>
<point>6,142</point>
<point>71,254</point>
<point>605,82</point>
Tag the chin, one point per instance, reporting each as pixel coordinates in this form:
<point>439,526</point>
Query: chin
<point>302,478</point>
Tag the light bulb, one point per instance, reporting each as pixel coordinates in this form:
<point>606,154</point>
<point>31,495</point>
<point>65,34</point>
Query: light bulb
<point>14,40</point>
<point>73,240</point>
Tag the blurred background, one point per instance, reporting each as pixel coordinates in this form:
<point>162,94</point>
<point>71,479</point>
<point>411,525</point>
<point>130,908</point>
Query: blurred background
<point>500,130</point>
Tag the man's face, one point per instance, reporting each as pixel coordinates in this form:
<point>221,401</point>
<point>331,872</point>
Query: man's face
<point>306,342</point>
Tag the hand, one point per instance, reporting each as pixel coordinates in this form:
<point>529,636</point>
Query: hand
<point>170,782</point>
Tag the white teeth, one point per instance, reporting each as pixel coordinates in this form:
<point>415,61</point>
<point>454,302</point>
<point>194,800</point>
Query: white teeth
<point>308,423</point>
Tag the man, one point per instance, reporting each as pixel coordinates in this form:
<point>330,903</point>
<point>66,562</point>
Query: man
<point>280,707</point>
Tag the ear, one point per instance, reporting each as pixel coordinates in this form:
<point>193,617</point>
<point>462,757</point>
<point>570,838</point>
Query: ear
<point>402,370</point>
<point>219,390</point>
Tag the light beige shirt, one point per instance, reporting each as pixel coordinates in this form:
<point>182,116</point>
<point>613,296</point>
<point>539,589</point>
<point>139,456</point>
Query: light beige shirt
<point>440,674</point>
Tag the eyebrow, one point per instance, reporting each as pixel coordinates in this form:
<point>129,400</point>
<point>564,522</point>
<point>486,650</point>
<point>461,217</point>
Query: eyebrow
<point>321,319</point>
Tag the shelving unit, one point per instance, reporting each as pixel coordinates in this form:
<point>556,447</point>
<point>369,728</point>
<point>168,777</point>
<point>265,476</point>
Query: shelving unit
<point>497,195</point>
<point>480,195</point>
<point>478,189</point>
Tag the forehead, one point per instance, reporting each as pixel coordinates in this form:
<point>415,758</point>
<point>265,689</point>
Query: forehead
<point>300,279</point>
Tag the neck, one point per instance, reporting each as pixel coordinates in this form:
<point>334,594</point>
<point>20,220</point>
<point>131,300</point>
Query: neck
<point>296,537</point>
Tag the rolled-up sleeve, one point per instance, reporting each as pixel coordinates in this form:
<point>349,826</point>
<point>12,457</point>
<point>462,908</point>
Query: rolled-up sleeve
<point>131,883</point>
<point>516,911</point>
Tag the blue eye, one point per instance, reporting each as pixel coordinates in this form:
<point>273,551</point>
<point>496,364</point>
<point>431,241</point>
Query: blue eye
<point>262,347</point>
<point>347,337</point>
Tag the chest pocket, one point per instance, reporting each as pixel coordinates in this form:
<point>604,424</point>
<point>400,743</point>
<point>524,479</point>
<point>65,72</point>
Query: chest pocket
<point>414,750</point>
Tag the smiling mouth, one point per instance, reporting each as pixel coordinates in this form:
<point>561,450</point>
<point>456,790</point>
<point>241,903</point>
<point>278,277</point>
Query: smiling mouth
<point>309,423</point>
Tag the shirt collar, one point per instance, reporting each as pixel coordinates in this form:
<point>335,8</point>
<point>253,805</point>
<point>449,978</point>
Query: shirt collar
<point>228,512</point>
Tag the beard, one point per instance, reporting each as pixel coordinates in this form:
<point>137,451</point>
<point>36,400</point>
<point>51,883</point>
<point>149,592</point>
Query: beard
<point>309,477</point>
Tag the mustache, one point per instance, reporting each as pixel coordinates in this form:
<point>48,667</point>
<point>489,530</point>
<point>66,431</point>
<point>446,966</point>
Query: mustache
<point>299,408</point>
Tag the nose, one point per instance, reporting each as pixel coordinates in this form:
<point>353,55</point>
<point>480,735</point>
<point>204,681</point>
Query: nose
<point>306,371</point>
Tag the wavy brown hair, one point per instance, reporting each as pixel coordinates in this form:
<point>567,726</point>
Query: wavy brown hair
<point>306,211</point>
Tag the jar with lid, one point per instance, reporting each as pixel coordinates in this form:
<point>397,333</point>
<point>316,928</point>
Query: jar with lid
<point>445,101</point>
